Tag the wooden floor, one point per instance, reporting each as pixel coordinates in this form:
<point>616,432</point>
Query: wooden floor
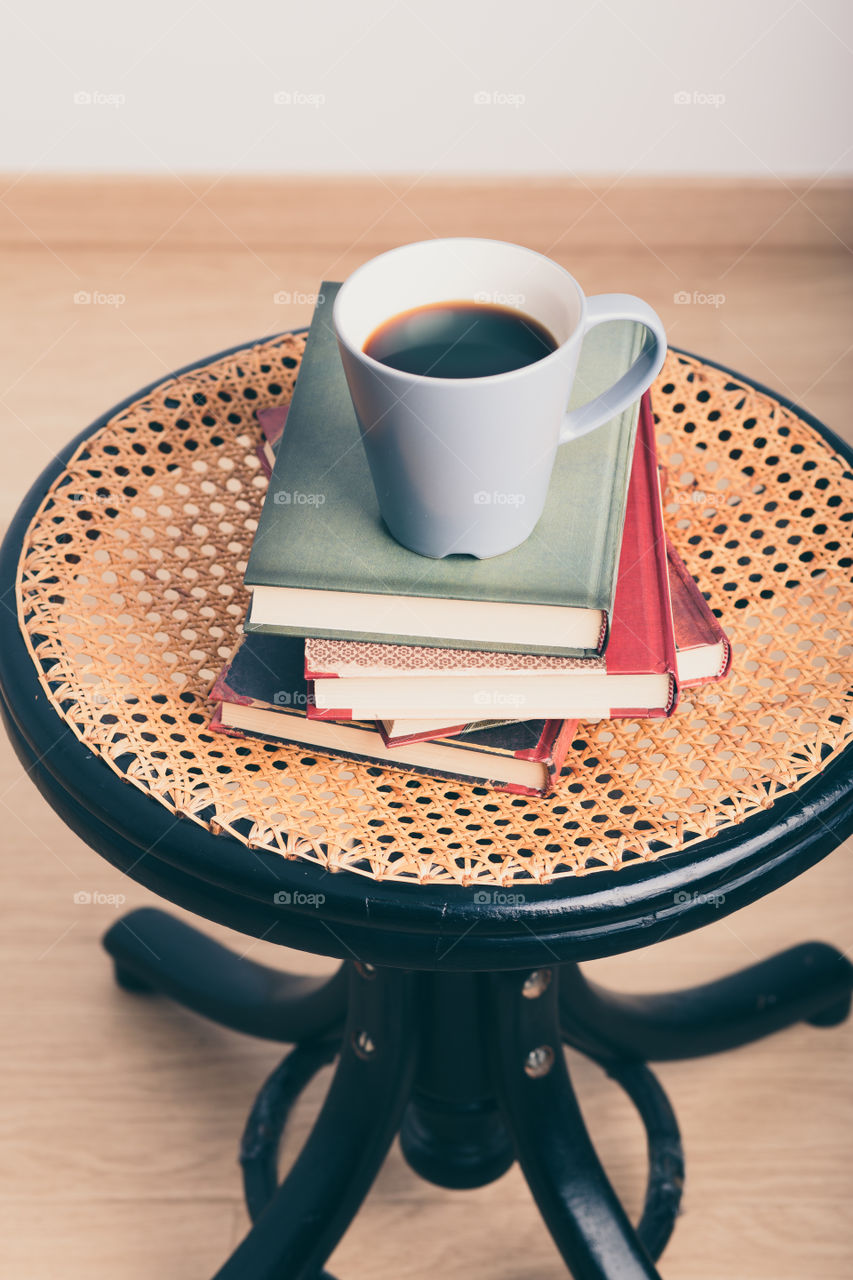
<point>120,1116</point>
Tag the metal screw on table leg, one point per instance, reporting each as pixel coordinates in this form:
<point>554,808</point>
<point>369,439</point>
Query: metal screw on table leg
<point>536,982</point>
<point>539,1061</point>
<point>363,1045</point>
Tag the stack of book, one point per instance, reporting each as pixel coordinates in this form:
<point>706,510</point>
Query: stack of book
<point>473,669</point>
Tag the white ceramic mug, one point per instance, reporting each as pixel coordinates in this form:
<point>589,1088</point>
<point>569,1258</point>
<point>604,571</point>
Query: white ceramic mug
<point>435,444</point>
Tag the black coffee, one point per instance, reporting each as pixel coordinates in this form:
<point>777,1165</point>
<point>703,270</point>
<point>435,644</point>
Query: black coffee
<point>460,340</point>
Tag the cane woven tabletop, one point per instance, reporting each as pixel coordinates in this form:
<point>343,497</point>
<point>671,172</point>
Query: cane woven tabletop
<point>130,598</point>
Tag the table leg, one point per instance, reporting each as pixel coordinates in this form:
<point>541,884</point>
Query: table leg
<point>154,951</point>
<point>571,1190</point>
<point>811,982</point>
<point>665,1183</point>
<point>302,1223</point>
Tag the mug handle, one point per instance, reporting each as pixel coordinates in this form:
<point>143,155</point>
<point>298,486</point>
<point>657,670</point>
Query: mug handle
<point>618,306</point>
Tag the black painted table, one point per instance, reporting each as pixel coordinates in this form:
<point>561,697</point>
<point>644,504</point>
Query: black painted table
<point>447,1015</point>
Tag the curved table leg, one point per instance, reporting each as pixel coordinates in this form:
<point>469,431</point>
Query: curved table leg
<point>571,1190</point>
<point>154,951</point>
<point>811,982</point>
<point>665,1182</point>
<point>302,1223</point>
<point>268,1116</point>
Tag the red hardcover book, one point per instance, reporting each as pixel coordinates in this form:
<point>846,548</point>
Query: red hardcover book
<point>272,424</point>
<point>643,635</point>
<point>702,651</point>
<point>637,677</point>
<point>702,647</point>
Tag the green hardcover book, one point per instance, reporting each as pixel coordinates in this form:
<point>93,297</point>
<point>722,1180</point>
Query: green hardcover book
<point>323,563</point>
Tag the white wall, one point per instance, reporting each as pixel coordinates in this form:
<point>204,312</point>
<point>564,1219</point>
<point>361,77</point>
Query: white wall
<point>446,85</point>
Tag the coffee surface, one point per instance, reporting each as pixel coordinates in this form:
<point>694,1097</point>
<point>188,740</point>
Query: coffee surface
<point>460,340</point>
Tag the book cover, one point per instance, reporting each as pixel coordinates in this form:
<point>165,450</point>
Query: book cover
<point>637,677</point>
<point>702,647</point>
<point>272,422</point>
<point>349,659</point>
<point>702,650</point>
<point>645,638</point>
<point>397,732</point>
<point>322,562</point>
<point>261,692</point>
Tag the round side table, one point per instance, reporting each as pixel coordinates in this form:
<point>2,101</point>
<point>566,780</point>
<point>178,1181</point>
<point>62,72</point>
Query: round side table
<point>460,914</point>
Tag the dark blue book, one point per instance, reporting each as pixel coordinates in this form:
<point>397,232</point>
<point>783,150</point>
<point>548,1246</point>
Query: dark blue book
<point>261,692</point>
